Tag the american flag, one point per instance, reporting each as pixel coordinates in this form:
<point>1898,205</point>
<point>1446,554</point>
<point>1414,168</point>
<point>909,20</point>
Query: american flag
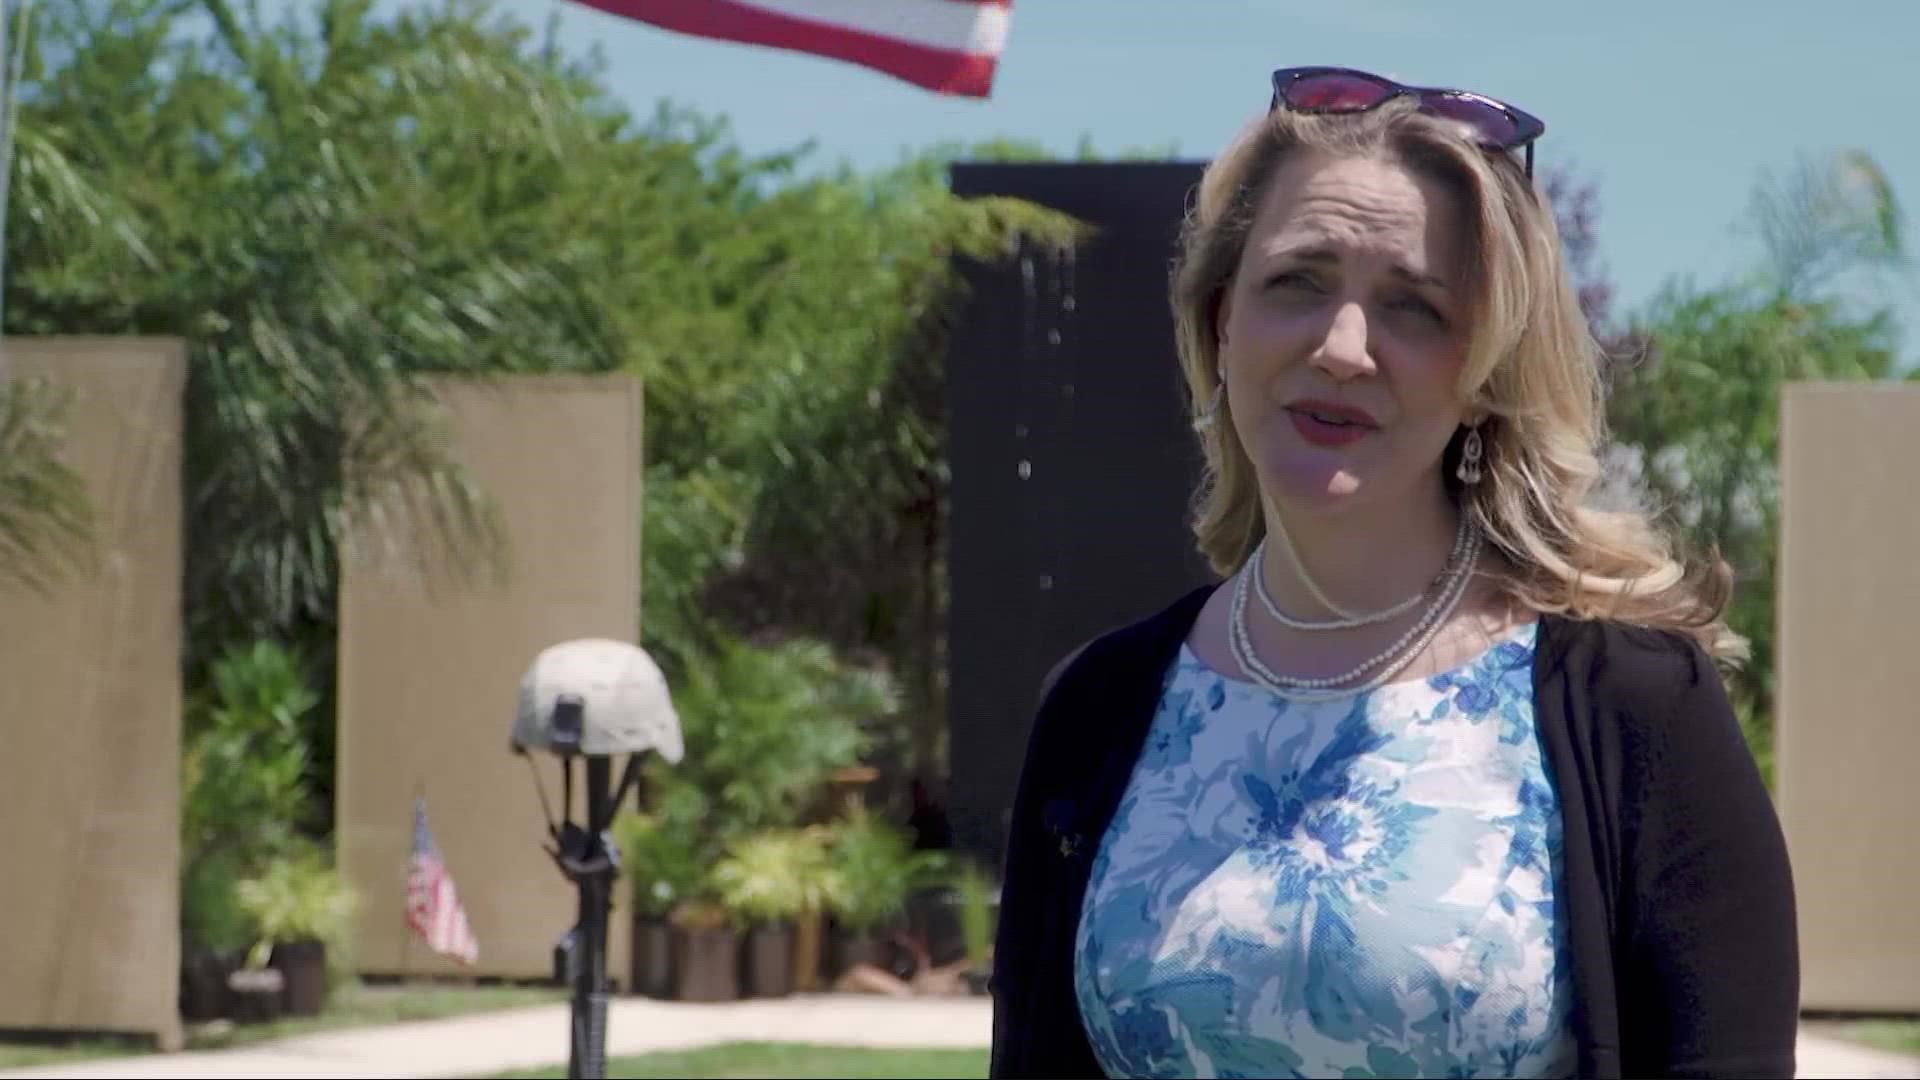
<point>433,906</point>
<point>947,46</point>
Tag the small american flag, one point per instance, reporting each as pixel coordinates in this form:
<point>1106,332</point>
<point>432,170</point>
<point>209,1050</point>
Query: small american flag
<point>433,906</point>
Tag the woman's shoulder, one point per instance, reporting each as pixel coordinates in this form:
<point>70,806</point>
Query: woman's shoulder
<point>1622,657</point>
<point>1125,647</point>
<point>1654,690</point>
<point>1099,691</point>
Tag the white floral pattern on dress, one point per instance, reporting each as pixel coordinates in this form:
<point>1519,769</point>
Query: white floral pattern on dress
<point>1361,887</point>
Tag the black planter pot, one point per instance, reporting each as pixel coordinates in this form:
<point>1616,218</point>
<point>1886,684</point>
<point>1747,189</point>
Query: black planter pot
<point>255,995</point>
<point>934,916</point>
<point>706,965</point>
<point>203,984</point>
<point>303,966</point>
<point>769,956</point>
<point>652,957</point>
<point>852,948</point>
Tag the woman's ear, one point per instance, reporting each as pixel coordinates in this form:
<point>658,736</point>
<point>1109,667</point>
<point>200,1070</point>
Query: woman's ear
<point>1222,312</point>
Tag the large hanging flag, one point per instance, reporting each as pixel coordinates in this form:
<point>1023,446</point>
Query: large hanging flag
<point>947,46</point>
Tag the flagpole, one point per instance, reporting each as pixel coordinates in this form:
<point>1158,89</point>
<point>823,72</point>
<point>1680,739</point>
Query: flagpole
<point>406,938</point>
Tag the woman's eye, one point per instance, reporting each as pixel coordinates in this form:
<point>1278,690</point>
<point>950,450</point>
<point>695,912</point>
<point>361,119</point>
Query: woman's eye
<point>1293,279</point>
<point>1420,307</point>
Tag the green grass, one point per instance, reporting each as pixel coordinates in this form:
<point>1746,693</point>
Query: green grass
<point>354,1005</point>
<point>1902,1036</point>
<point>776,1060</point>
<point>20,1054</point>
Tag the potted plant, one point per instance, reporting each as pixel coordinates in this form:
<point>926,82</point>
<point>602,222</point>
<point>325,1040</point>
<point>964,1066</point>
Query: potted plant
<point>246,798</point>
<point>663,862</point>
<point>302,914</point>
<point>976,899</point>
<point>706,949</point>
<point>772,880</point>
<point>214,935</point>
<point>765,726</point>
<point>875,869</point>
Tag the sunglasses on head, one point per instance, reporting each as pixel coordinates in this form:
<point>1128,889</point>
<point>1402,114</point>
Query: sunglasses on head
<point>1343,90</point>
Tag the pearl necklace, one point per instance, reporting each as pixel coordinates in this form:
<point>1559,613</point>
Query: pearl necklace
<point>1351,621</point>
<point>1415,641</point>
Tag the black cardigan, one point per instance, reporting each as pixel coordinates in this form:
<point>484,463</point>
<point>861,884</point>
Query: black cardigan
<point>1678,890</point>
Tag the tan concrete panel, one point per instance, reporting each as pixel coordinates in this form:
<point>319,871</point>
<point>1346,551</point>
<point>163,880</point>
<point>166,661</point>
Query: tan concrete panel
<point>429,672</point>
<point>1849,703</point>
<point>90,694</point>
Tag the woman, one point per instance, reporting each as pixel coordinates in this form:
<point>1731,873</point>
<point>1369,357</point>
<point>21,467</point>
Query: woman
<point>1441,779</point>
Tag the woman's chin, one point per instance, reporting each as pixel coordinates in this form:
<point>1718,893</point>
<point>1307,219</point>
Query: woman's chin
<point>1312,478</point>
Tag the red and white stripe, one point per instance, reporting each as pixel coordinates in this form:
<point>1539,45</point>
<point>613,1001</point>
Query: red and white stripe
<point>434,911</point>
<point>948,46</point>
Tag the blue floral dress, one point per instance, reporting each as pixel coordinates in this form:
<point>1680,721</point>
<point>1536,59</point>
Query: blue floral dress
<point>1357,887</point>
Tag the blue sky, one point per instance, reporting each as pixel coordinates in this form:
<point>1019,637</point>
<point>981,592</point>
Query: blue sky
<point>1672,107</point>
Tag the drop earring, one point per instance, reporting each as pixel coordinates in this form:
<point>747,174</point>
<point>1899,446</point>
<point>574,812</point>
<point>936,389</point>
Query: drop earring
<point>1470,450</point>
<point>1206,420</point>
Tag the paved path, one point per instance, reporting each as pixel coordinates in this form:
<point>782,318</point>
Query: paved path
<point>1830,1058</point>
<point>489,1043</point>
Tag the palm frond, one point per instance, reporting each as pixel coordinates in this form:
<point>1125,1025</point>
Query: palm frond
<point>408,503</point>
<point>47,521</point>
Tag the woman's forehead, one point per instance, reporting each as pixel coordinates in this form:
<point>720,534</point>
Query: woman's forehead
<point>1320,206</point>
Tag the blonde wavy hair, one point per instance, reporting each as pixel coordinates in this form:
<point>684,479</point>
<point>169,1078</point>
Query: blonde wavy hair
<point>1533,367</point>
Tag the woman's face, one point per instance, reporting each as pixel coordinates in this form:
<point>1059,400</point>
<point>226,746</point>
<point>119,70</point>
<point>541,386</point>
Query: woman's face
<point>1342,334</point>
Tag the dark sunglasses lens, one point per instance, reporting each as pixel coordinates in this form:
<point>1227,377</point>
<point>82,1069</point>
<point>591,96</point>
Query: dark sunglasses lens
<point>1334,92</point>
<point>1496,128</point>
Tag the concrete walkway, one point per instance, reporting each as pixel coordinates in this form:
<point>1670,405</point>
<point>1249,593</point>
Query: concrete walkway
<point>488,1043</point>
<point>1830,1058</point>
<point>485,1044</point>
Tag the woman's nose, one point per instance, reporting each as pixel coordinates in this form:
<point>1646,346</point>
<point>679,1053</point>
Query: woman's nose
<point>1343,354</point>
